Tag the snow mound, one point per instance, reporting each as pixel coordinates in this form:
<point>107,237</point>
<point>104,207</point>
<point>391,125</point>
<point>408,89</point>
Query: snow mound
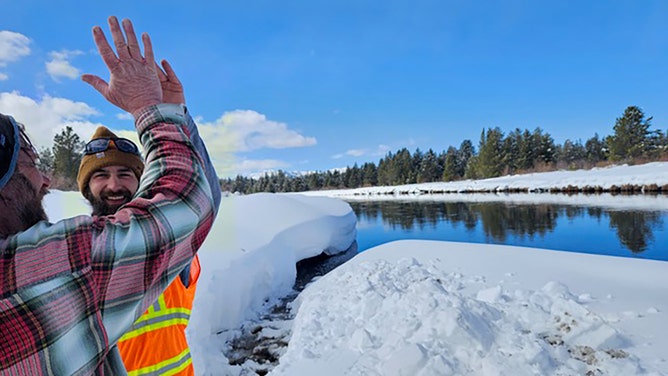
<point>406,318</point>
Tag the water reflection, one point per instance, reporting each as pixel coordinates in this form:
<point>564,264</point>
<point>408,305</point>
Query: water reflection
<point>634,229</point>
<point>548,225</point>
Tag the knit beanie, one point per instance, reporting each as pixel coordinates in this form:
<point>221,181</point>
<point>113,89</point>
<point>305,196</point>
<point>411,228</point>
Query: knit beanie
<point>9,148</point>
<point>110,157</point>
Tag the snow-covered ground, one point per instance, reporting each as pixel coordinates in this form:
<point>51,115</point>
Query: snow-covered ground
<point>421,307</point>
<point>602,177</point>
<point>439,308</point>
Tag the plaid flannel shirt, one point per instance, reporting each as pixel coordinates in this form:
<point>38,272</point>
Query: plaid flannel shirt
<point>69,290</point>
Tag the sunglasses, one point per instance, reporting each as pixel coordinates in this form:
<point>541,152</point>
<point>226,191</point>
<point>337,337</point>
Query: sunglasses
<point>102,144</point>
<point>26,145</point>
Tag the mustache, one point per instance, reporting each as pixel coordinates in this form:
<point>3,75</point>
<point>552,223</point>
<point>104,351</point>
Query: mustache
<point>105,194</point>
<point>100,206</point>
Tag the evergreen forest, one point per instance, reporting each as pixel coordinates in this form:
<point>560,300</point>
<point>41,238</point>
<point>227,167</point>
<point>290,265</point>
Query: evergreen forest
<point>495,154</point>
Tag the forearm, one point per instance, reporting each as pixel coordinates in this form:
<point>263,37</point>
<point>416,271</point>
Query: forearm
<point>155,235</point>
<point>200,148</point>
<point>209,170</point>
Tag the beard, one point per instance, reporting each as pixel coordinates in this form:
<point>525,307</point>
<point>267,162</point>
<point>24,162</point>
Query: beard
<point>102,207</point>
<point>25,202</point>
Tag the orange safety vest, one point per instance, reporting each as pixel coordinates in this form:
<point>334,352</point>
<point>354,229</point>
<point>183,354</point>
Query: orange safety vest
<point>156,343</point>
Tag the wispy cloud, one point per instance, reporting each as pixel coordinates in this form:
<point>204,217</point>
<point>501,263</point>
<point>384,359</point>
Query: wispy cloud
<point>254,167</point>
<point>47,117</point>
<point>59,66</point>
<point>379,150</point>
<point>125,116</point>
<point>13,46</point>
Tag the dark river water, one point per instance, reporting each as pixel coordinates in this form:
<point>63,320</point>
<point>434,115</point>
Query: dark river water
<point>608,225</point>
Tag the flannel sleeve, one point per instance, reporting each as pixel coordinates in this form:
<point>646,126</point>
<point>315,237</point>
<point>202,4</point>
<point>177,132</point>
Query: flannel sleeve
<point>144,246</point>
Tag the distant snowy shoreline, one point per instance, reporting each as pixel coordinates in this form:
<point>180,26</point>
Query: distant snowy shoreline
<point>650,178</point>
<point>614,189</point>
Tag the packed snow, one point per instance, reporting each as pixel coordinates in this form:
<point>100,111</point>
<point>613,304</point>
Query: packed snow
<point>440,308</point>
<point>419,307</point>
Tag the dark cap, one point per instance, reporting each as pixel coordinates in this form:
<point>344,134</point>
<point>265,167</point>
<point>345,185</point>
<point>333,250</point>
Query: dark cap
<point>9,148</point>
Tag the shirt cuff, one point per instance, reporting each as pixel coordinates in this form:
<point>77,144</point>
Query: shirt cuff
<point>161,113</point>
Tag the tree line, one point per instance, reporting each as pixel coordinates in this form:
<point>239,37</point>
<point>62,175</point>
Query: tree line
<point>497,154</point>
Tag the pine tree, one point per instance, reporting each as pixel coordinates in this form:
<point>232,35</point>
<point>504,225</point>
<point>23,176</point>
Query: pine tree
<point>572,154</point>
<point>451,165</point>
<point>67,148</point>
<point>595,150</point>
<point>430,170</point>
<point>369,175</point>
<point>630,138</point>
<point>45,162</point>
<point>465,153</point>
<point>545,149</point>
<point>490,156</point>
<point>512,145</point>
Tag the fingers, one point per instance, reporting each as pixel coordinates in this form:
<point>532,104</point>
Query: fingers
<point>170,72</point>
<point>96,82</point>
<point>148,50</point>
<point>119,39</point>
<point>161,75</point>
<point>133,83</point>
<point>106,52</point>
<point>133,44</point>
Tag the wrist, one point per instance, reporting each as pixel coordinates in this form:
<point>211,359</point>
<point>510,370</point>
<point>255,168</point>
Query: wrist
<point>139,111</point>
<point>160,113</point>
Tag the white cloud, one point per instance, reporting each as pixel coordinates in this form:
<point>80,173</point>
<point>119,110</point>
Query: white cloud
<point>13,46</point>
<point>125,116</point>
<point>59,65</point>
<point>356,152</point>
<point>247,130</point>
<point>351,153</point>
<point>47,117</point>
<point>247,167</point>
<point>244,131</point>
<point>236,131</point>
<point>380,150</point>
<point>241,131</point>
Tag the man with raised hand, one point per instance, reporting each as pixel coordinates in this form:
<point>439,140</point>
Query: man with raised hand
<point>70,290</point>
<point>108,178</point>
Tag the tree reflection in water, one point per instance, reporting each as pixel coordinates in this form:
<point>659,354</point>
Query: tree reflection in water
<point>500,220</point>
<point>634,229</point>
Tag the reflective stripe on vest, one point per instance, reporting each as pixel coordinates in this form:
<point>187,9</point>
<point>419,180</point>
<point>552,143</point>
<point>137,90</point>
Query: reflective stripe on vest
<point>158,316</point>
<point>166,368</point>
<point>156,343</point>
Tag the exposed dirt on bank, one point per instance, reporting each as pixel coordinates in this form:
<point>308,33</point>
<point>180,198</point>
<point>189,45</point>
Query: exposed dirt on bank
<point>260,345</point>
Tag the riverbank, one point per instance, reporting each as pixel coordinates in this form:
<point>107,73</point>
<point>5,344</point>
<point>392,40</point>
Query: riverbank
<point>649,178</point>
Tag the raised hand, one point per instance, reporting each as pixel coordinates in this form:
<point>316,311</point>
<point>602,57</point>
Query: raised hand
<point>133,82</point>
<point>172,89</point>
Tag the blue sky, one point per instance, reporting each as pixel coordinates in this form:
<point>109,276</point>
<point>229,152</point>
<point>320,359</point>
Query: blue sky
<point>314,85</point>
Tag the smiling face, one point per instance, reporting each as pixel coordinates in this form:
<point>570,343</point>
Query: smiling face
<point>110,188</point>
